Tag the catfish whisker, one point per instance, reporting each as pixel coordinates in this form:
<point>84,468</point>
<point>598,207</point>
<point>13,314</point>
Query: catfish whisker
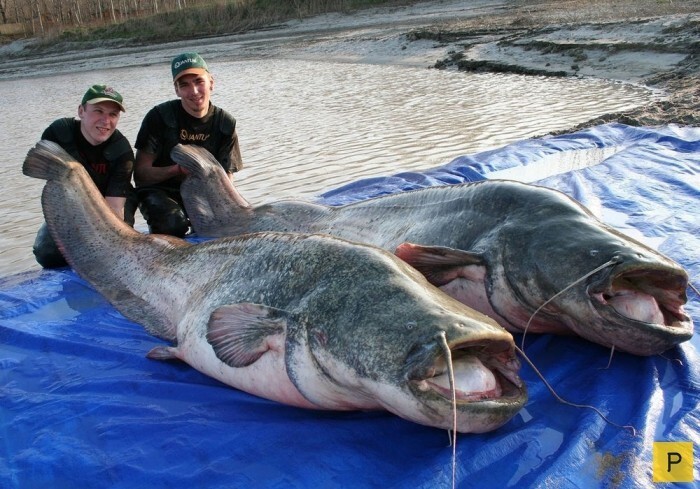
<point>611,262</point>
<point>568,403</point>
<point>675,360</point>
<point>451,375</point>
<point>612,352</point>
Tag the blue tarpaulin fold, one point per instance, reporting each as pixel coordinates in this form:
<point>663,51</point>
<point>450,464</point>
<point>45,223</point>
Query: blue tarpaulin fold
<point>81,405</point>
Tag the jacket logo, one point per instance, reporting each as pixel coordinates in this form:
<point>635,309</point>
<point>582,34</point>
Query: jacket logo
<point>186,137</point>
<point>99,168</point>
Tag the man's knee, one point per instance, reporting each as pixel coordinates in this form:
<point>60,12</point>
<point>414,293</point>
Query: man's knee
<point>45,250</point>
<point>174,223</point>
<point>163,214</point>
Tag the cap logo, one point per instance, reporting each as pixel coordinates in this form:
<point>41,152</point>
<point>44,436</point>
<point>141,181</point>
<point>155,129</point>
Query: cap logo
<point>102,93</point>
<point>187,62</point>
<point>184,61</point>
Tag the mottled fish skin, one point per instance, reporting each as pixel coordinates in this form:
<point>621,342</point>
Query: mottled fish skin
<point>501,247</point>
<point>307,320</point>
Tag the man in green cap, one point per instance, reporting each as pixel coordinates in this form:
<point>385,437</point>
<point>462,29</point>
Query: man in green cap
<point>189,119</point>
<point>94,141</point>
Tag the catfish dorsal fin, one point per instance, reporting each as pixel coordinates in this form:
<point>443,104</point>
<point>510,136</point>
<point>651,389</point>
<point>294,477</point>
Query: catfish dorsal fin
<point>436,262</point>
<point>241,333</point>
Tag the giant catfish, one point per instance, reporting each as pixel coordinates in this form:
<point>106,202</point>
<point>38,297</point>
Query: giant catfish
<point>513,251</point>
<point>311,321</point>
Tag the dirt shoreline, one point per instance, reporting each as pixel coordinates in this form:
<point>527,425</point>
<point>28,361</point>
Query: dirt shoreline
<point>655,43</point>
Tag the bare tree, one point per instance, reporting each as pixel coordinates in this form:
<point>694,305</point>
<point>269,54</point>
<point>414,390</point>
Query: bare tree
<point>78,16</point>
<point>38,14</point>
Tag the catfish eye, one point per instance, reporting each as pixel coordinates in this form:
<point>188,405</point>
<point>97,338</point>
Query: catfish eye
<point>410,325</point>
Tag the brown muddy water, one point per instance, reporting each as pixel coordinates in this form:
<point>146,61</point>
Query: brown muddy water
<point>306,126</point>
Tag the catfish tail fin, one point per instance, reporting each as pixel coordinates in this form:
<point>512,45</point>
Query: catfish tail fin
<point>47,161</point>
<point>196,160</point>
<point>214,205</point>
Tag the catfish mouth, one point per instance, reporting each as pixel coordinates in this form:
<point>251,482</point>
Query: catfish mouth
<point>482,372</point>
<point>646,296</point>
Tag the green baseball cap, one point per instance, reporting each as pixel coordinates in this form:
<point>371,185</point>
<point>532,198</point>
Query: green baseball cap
<point>103,93</point>
<point>188,63</point>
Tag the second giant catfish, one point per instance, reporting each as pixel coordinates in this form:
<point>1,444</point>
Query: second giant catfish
<point>513,251</point>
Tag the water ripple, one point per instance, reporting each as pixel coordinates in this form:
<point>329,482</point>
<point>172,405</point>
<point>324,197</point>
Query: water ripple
<point>308,126</point>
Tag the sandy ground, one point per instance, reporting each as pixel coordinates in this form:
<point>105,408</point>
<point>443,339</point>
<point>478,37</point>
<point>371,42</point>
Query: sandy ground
<point>655,43</point>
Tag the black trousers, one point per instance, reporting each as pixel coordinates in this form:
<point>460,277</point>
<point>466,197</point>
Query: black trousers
<point>46,251</point>
<point>164,211</point>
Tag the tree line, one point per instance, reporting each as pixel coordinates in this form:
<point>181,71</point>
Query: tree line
<point>40,17</point>
<point>146,20</point>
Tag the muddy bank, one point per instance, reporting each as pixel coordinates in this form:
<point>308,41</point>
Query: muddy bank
<point>652,43</point>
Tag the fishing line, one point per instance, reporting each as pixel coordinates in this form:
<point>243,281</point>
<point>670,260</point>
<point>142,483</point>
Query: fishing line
<point>690,284</point>
<point>612,261</point>
<point>453,390</point>
<point>564,401</point>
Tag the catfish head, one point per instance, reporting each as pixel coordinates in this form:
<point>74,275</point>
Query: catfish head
<point>601,284</point>
<point>598,283</point>
<point>388,343</point>
<point>551,267</point>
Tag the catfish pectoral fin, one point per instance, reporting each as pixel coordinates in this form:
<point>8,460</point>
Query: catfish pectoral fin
<point>441,264</point>
<point>420,255</point>
<point>241,333</point>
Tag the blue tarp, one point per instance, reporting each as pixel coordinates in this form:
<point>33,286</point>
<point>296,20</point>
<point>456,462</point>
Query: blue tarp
<point>81,406</point>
